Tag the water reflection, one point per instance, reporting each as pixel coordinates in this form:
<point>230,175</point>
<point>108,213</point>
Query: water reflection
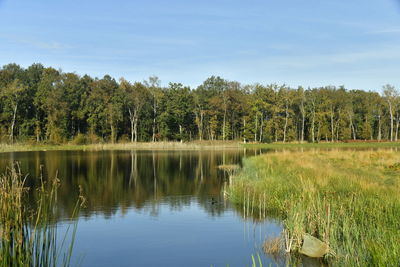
<point>149,208</point>
<point>113,180</point>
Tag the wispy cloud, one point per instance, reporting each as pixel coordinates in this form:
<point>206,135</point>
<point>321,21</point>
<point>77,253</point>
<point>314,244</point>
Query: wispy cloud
<point>34,43</point>
<point>306,61</point>
<point>386,31</point>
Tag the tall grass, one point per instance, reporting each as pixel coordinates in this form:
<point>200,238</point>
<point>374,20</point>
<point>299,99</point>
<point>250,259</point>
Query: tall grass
<point>348,199</point>
<point>28,236</point>
<point>193,145</point>
<point>327,145</point>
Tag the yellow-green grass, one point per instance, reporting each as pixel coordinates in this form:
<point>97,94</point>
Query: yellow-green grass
<point>196,145</point>
<point>348,199</point>
<point>193,145</point>
<point>328,145</point>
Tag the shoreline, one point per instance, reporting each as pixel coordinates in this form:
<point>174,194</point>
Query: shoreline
<point>4,148</point>
<point>194,145</point>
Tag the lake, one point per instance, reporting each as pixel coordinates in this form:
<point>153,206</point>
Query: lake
<point>150,208</point>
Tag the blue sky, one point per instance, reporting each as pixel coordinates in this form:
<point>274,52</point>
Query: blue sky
<point>298,42</point>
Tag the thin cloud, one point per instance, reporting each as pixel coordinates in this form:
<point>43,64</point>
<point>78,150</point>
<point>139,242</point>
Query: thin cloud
<point>48,45</point>
<point>385,31</point>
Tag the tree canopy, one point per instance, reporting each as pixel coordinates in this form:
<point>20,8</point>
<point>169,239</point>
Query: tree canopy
<point>42,104</point>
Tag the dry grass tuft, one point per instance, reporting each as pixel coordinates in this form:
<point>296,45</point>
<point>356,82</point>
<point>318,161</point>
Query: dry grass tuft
<point>273,247</point>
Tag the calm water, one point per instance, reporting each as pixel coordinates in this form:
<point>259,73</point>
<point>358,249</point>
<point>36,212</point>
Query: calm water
<point>150,208</point>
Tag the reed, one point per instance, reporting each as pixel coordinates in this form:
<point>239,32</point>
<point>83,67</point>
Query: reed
<point>193,145</point>
<point>28,236</point>
<point>348,199</point>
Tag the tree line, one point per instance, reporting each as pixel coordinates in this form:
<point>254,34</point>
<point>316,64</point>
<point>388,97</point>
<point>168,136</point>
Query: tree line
<point>43,104</point>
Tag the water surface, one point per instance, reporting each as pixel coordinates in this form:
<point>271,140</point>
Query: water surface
<point>150,208</point>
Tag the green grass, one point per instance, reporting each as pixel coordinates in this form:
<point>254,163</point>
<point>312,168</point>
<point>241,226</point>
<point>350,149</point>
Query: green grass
<point>28,236</point>
<point>348,199</point>
<point>323,145</point>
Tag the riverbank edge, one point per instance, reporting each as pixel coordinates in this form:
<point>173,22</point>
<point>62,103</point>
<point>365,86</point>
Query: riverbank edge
<point>195,145</point>
<point>122,146</point>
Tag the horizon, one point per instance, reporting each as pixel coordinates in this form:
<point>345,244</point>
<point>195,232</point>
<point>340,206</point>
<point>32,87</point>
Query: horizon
<point>309,44</point>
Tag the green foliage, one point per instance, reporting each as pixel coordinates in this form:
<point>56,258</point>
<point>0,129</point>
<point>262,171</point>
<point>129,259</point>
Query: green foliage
<point>80,139</point>
<point>47,105</point>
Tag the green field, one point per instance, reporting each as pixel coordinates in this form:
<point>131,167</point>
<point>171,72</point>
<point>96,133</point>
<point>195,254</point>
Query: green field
<point>348,199</point>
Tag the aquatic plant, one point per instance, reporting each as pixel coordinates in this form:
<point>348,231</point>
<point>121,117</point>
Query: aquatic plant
<point>28,236</point>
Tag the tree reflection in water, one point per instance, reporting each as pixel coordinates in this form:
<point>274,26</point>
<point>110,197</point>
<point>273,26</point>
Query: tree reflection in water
<point>121,180</point>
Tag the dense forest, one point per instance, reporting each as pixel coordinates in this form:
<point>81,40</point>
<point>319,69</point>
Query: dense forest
<point>42,104</point>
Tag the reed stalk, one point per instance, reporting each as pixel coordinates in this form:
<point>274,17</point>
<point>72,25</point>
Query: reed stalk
<point>28,236</point>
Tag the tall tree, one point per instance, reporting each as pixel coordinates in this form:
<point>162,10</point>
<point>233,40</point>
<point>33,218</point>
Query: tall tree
<point>153,85</point>
<point>390,95</point>
<point>135,97</point>
<point>12,95</point>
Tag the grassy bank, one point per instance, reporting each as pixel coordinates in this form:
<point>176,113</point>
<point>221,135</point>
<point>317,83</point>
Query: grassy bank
<point>348,199</point>
<point>326,145</point>
<point>195,145</point>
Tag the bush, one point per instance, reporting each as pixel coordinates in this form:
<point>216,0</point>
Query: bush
<point>80,139</point>
<point>124,139</point>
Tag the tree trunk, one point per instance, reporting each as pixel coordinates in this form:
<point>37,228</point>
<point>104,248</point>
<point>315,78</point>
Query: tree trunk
<point>397,128</point>
<point>154,119</point>
<point>112,133</point>
<point>352,130</point>
<point>13,123</point>
<point>201,125</point>
<point>135,122</point>
<point>255,132</point>
<point>332,128</point>
<point>223,126</point>
<point>391,120</point>
<point>180,132</point>
<point>135,128</point>
<point>244,129</point>
<point>261,129</point>
<point>313,123</point>
<point>303,120</point>
<point>337,129</point>
<point>379,128</point>
<point>132,124</point>
<point>286,122</point>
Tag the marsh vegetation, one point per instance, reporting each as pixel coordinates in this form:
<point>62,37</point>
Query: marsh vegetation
<point>347,199</point>
<point>28,235</point>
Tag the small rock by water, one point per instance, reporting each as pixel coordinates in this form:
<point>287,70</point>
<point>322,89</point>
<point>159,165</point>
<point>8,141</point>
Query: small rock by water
<point>313,247</point>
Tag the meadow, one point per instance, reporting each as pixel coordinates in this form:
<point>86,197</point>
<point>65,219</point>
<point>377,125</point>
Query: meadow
<point>348,199</point>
